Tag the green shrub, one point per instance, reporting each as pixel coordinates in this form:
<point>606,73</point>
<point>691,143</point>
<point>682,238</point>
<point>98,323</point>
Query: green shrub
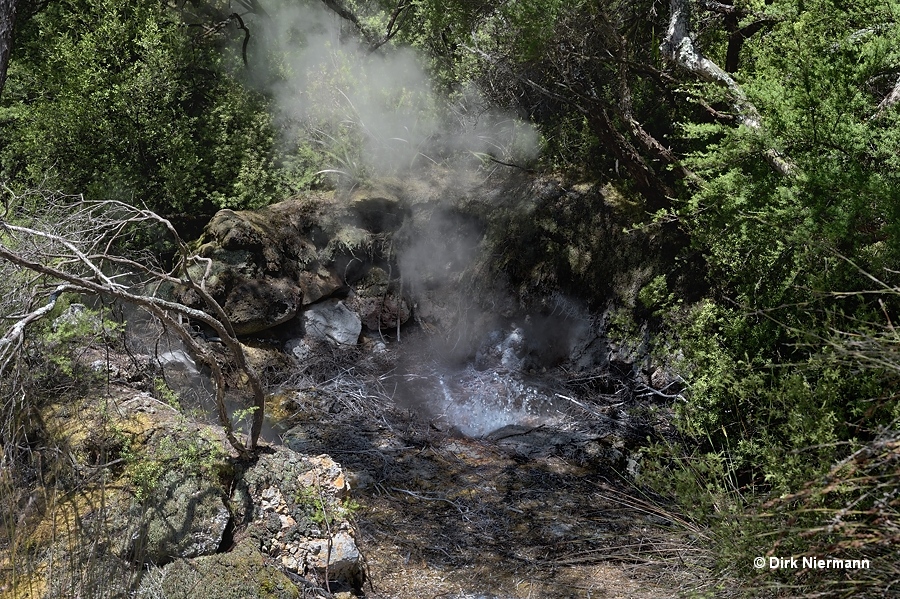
<point>117,99</point>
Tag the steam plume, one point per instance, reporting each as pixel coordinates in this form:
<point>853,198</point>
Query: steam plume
<point>373,112</point>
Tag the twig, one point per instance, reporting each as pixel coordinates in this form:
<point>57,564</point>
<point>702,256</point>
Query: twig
<point>327,529</point>
<point>426,498</point>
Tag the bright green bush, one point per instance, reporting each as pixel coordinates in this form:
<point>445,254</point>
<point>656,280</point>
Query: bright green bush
<point>118,99</point>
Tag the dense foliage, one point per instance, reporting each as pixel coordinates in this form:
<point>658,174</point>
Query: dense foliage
<point>119,99</point>
<point>790,361</point>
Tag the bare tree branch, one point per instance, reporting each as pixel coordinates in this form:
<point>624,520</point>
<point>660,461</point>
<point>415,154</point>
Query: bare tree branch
<point>7,25</point>
<point>82,264</point>
<point>11,342</point>
<point>889,100</point>
<point>240,22</point>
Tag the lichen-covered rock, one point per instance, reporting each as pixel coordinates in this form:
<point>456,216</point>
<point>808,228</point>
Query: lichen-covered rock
<point>239,574</point>
<point>169,504</point>
<point>157,499</point>
<point>263,266</point>
<point>295,506</point>
<point>337,557</point>
<point>185,517</point>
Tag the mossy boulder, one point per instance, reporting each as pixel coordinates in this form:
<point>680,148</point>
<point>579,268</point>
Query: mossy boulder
<point>265,266</point>
<point>242,573</point>
<point>185,516</point>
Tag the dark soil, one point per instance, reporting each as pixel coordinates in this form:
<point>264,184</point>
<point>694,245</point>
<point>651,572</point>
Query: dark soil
<point>536,511</point>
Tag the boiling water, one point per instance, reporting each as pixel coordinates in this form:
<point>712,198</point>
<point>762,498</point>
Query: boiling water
<point>477,403</point>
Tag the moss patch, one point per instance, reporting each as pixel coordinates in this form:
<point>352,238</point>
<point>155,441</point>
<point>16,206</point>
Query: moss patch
<point>240,574</point>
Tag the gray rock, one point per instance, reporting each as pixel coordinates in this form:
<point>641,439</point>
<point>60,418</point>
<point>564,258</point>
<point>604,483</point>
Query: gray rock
<point>299,348</point>
<point>185,517</point>
<point>332,321</point>
<point>178,360</point>
<point>339,554</point>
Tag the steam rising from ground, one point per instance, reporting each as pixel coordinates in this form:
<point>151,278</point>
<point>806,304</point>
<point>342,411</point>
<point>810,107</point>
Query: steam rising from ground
<point>374,113</point>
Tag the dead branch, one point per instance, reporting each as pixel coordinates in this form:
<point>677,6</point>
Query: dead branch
<point>889,100</point>
<point>79,260</point>
<point>11,342</point>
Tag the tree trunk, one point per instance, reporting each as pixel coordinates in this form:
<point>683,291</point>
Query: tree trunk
<point>648,183</point>
<point>7,22</point>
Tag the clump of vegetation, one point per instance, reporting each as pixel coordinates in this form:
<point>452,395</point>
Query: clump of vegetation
<point>163,392</point>
<point>322,510</point>
<point>181,449</point>
<point>126,99</point>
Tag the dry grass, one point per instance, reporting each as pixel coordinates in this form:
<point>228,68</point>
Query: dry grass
<point>852,513</point>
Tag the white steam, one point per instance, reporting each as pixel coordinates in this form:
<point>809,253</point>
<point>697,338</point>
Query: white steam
<point>375,112</point>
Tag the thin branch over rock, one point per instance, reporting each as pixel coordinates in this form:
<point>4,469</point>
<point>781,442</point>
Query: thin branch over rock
<point>678,47</point>
<point>80,256</point>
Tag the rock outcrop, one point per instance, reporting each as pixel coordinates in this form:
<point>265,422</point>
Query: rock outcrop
<point>196,521</point>
<point>549,266</point>
<point>275,266</point>
<point>264,266</point>
<point>296,508</point>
